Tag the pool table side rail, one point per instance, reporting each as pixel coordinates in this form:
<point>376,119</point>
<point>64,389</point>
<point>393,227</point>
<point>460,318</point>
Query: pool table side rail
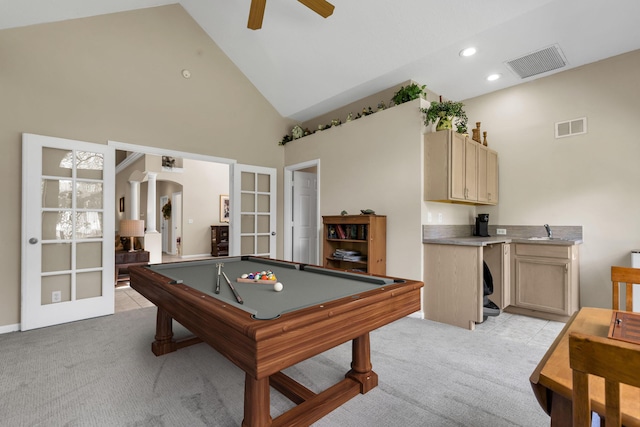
<point>264,347</point>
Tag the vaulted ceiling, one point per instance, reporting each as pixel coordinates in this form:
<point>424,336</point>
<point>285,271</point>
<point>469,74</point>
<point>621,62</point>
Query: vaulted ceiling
<point>306,65</point>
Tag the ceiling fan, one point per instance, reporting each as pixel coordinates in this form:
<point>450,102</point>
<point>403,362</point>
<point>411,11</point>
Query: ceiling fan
<point>256,13</point>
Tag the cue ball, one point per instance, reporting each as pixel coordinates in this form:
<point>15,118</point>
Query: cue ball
<point>277,287</point>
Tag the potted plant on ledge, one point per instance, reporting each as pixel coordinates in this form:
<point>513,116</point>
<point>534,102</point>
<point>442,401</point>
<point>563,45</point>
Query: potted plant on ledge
<point>446,114</point>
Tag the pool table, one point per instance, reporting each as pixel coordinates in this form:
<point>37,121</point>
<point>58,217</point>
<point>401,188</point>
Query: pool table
<point>268,331</point>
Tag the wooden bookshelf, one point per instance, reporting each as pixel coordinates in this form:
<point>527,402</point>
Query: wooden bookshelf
<point>364,234</point>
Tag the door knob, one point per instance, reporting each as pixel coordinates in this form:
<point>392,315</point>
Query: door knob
<point>273,233</point>
<point>33,240</point>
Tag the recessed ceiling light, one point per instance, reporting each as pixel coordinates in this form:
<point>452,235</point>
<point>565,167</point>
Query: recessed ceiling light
<point>468,51</point>
<point>493,77</point>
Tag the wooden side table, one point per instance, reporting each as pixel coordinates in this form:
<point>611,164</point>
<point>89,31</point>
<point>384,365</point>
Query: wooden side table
<point>125,259</point>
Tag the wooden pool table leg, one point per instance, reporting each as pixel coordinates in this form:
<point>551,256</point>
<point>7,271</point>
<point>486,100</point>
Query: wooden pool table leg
<point>257,404</point>
<point>164,342</point>
<point>361,364</point>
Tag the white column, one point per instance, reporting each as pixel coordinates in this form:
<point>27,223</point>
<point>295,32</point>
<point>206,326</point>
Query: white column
<point>151,202</point>
<point>134,204</point>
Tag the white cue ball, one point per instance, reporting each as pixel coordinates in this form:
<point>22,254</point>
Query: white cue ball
<point>277,287</point>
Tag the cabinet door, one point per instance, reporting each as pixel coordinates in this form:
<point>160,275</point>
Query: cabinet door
<point>457,184</point>
<point>483,194</point>
<point>542,284</point>
<point>471,169</point>
<point>492,177</point>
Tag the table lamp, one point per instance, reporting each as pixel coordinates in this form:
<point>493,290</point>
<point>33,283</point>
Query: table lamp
<point>132,228</point>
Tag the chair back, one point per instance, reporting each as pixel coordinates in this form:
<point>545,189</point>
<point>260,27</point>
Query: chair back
<point>624,276</point>
<point>615,361</point>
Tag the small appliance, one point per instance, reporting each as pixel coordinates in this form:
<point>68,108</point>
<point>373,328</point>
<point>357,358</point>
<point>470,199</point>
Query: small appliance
<point>482,225</point>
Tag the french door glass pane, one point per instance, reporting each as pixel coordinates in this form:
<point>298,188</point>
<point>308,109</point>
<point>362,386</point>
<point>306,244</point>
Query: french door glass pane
<point>89,165</point>
<point>263,203</point>
<point>57,162</point>
<point>248,182</point>
<point>248,202</point>
<point>247,224</point>
<point>57,225</point>
<point>263,244</point>
<point>88,225</point>
<point>263,224</point>
<point>89,255</point>
<point>56,257</point>
<point>264,183</point>
<point>88,285</point>
<point>61,283</point>
<point>247,245</point>
<point>89,195</point>
<point>56,193</point>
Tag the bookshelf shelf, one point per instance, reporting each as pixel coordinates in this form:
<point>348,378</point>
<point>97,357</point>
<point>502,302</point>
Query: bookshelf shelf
<point>356,242</point>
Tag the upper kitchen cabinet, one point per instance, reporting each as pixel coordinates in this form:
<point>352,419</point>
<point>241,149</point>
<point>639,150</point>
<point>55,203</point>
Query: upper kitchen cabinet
<point>459,170</point>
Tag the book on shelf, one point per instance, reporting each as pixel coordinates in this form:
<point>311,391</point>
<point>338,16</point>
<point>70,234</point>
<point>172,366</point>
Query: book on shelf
<point>349,255</point>
<point>341,232</point>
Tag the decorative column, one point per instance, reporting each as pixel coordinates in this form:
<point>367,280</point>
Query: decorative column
<point>151,202</point>
<point>134,204</point>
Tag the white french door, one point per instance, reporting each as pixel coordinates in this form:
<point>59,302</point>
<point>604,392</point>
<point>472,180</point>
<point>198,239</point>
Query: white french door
<point>252,223</point>
<point>68,204</point>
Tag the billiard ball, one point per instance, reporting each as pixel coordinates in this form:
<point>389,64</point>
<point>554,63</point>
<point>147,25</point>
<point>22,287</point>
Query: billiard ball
<point>278,287</point>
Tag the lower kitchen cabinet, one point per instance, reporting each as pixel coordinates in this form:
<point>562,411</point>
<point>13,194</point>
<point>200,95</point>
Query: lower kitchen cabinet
<point>453,277</point>
<point>545,281</point>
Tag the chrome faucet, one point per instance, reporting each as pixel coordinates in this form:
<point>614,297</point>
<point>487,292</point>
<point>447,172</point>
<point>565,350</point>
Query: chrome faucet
<point>549,232</point>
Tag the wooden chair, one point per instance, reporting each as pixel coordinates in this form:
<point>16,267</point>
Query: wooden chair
<point>616,361</point>
<point>627,276</point>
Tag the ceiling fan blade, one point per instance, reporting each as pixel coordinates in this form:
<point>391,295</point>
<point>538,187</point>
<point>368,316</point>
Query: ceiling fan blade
<point>321,7</point>
<point>256,13</point>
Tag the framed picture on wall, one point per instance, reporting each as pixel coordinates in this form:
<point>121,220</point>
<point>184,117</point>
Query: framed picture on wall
<point>224,208</point>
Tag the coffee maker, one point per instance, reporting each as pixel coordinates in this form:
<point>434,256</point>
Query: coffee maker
<point>482,225</point>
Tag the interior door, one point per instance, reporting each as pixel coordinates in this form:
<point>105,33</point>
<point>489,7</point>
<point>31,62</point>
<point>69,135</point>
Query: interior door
<point>252,225</point>
<point>68,216</point>
<point>305,220</point>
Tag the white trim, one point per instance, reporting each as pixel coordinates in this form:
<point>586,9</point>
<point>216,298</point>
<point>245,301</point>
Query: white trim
<point>145,149</point>
<point>128,161</point>
<point>5,329</point>
<point>287,234</point>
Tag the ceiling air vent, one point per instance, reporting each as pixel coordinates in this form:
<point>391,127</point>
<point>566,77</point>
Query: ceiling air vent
<point>539,62</point>
<point>571,127</point>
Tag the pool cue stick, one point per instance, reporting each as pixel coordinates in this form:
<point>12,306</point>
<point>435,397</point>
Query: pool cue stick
<point>217,291</point>
<point>237,295</point>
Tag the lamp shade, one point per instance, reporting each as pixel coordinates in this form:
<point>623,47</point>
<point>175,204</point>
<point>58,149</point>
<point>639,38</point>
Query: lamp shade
<point>132,228</point>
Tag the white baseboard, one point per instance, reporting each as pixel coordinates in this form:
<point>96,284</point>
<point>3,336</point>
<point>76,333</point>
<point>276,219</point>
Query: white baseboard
<point>417,315</point>
<point>9,328</point>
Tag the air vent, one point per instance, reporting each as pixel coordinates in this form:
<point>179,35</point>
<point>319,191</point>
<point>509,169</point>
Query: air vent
<point>571,127</point>
<point>539,62</point>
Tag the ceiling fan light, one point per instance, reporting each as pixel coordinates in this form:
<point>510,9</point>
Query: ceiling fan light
<point>469,51</point>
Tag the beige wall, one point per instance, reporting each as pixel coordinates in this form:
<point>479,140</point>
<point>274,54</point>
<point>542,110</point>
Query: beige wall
<point>374,163</point>
<point>590,180</point>
<point>118,77</point>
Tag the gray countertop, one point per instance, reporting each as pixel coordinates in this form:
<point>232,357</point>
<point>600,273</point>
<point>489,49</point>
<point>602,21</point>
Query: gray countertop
<point>463,235</point>
<point>484,241</point>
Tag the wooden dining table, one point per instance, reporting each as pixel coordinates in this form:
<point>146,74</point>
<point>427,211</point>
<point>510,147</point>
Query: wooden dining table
<point>552,379</point>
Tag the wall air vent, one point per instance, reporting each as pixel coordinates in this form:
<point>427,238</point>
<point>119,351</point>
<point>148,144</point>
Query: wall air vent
<point>571,127</point>
<point>539,62</point>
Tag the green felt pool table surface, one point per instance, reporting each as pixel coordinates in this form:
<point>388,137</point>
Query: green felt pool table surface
<point>303,286</point>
